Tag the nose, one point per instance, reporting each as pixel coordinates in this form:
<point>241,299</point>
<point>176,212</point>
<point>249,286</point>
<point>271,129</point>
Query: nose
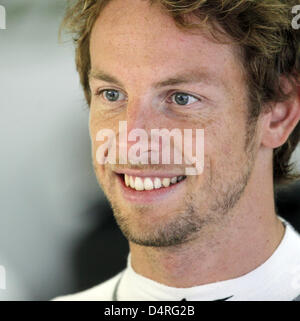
<point>139,114</point>
<point>140,119</point>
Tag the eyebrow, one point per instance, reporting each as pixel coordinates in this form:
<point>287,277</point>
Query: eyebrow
<point>177,79</point>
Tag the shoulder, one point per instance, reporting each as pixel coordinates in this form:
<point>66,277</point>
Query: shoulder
<point>100,292</point>
<point>288,265</point>
<point>292,236</point>
<point>289,248</point>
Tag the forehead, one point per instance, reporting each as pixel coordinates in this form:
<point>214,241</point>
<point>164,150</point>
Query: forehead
<point>132,35</point>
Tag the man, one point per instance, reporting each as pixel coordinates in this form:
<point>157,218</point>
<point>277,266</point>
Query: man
<point>231,69</point>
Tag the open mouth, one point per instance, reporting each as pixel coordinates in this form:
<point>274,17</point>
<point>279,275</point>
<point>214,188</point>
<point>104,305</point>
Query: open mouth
<point>137,183</point>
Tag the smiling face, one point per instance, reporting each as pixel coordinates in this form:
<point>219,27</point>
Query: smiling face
<point>137,52</point>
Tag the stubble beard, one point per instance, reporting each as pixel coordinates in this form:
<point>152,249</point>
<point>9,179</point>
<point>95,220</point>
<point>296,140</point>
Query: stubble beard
<point>186,223</point>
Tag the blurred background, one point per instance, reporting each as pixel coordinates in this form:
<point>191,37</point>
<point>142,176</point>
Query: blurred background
<point>57,232</point>
<point>51,205</point>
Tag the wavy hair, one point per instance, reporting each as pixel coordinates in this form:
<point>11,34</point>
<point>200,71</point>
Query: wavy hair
<point>269,47</point>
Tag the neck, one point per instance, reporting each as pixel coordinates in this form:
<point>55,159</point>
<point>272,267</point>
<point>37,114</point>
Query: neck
<point>247,239</point>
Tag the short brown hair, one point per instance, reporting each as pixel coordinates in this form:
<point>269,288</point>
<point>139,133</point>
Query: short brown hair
<point>270,49</point>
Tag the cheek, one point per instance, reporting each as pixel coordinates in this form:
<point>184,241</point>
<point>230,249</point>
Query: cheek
<point>224,146</point>
<point>93,129</point>
<point>95,125</point>
<point>98,123</point>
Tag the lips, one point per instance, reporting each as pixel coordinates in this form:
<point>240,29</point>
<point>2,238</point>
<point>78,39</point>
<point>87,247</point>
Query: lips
<point>150,188</point>
<point>149,183</point>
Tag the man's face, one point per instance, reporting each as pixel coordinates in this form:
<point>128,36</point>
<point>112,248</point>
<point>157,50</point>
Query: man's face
<point>140,46</point>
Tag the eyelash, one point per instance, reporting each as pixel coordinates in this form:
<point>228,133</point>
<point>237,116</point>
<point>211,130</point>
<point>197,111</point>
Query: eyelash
<point>100,92</point>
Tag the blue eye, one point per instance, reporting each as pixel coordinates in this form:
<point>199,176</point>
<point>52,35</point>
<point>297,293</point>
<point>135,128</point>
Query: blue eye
<point>183,99</point>
<point>179,98</point>
<point>111,95</point>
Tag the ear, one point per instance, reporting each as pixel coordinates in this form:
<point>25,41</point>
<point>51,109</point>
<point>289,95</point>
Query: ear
<point>279,122</point>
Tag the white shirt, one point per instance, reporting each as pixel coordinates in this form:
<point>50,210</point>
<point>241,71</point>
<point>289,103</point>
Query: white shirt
<point>278,278</point>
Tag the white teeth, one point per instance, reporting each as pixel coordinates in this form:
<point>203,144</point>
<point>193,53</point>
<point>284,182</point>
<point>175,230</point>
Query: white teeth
<point>131,182</point>
<point>157,182</point>
<point>140,183</point>
<point>148,184</point>
<point>166,182</point>
<point>126,180</point>
<point>174,180</point>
